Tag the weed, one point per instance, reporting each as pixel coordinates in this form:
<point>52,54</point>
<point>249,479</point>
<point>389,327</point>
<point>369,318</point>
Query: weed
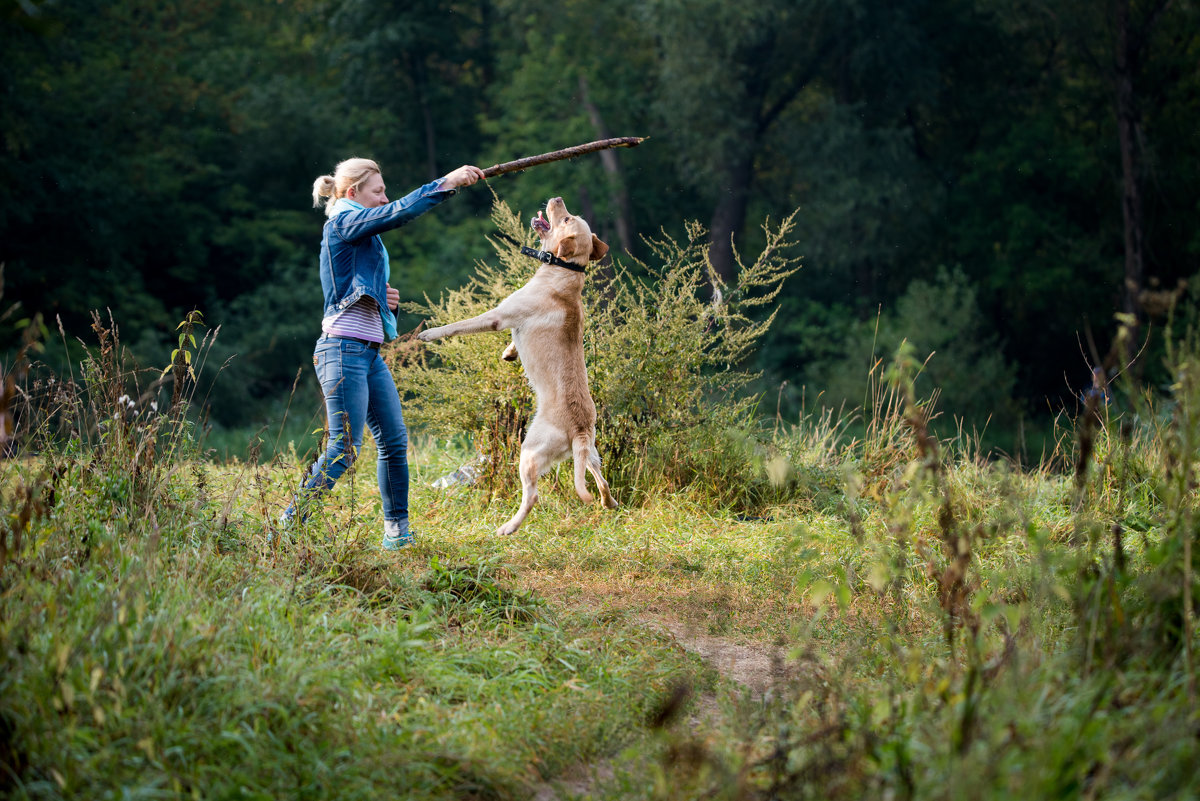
<point>664,367</point>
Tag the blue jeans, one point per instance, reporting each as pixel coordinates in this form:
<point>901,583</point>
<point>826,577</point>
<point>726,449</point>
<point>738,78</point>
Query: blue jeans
<point>359,388</point>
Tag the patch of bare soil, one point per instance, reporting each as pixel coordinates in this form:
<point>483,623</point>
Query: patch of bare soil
<point>575,783</point>
<point>686,613</point>
<point>755,666</point>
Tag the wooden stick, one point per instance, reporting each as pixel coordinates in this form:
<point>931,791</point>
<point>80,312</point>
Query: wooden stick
<point>559,155</point>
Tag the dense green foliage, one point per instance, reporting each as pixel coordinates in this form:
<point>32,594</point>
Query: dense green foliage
<point>159,158</point>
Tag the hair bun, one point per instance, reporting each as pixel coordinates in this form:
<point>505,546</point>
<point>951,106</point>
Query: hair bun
<point>323,187</point>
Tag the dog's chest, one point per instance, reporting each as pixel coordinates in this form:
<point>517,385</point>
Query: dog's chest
<point>550,333</point>
<point>544,320</point>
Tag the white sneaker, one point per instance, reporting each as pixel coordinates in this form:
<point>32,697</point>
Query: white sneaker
<point>396,535</point>
<point>286,521</point>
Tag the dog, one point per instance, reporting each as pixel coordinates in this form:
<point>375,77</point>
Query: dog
<point>546,320</point>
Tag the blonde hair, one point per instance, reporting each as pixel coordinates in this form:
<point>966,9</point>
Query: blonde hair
<point>349,174</point>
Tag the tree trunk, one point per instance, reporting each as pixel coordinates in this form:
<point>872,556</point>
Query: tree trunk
<point>730,213</point>
<point>1131,196</point>
<point>620,194</point>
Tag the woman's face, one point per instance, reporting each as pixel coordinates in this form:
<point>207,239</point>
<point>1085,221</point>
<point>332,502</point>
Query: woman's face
<point>370,193</point>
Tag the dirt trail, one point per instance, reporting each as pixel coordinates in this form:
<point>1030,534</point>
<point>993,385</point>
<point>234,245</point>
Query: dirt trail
<point>758,668</point>
<point>754,666</point>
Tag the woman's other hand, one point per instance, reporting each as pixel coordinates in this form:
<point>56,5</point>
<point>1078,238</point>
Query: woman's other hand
<point>463,176</point>
<point>393,298</point>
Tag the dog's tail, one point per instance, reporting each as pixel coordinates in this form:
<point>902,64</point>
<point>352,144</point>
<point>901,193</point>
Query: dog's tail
<point>581,447</point>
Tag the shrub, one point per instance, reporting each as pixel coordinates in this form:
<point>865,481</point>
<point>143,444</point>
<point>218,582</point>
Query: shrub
<point>961,362</point>
<point>1139,514</point>
<point>665,364</point>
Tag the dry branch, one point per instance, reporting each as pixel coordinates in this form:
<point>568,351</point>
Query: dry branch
<point>565,153</point>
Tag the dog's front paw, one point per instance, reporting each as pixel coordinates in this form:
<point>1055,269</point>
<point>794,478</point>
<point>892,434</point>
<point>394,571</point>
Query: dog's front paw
<point>428,335</point>
<point>510,353</point>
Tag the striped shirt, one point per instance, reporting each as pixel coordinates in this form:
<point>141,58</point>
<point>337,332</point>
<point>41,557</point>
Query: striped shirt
<point>361,321</point>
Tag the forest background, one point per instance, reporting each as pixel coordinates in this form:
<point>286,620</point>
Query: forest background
<point>991,179</point>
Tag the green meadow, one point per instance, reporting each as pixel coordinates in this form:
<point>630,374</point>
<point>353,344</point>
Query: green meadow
<point>863,604</point>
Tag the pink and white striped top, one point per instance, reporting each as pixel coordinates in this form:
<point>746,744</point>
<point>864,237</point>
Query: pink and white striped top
<point>360,321</point>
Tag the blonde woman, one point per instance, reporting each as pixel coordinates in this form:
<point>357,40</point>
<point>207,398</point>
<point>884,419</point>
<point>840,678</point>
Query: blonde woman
<point>359,317</point>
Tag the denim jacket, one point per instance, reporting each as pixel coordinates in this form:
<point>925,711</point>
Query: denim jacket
<point>353,260</point>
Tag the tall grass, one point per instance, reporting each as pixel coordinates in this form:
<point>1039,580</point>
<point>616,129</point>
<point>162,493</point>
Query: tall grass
<point>153,644</point>
<point>999,633</point>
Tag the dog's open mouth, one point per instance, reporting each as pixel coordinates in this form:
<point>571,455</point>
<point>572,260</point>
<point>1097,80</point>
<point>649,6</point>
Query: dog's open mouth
<point>540,224</point>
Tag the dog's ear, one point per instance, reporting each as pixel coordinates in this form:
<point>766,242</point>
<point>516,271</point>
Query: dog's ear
<point>599,249</point>
<point>566,247</point>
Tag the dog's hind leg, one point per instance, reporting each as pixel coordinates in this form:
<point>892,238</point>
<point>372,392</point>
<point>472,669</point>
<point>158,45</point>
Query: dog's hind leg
<point>593,466</point>
<point>587,459</point>
<point>580,451</point>
<point>531,468</point>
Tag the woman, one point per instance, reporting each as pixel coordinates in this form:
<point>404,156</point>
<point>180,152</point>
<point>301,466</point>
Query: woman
<point>359,306</point>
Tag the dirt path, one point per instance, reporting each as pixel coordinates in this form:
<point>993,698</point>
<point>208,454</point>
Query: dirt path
<point>754,666</point>
<point>757,667</point>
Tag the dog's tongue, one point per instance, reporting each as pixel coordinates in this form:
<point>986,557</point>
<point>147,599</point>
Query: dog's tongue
<point>540,223</point>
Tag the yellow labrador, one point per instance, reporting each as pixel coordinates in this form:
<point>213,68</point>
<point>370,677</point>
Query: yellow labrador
<point>546,319</point>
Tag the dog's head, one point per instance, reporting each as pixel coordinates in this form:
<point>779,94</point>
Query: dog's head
<point>567,236</point>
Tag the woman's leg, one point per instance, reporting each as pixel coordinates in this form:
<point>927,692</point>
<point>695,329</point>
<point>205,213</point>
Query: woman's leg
<point>385,418</point>
<point>342,369</point>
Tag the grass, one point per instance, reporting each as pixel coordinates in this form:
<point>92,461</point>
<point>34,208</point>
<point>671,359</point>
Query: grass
<point>176,653</point>
<point>209,663</point>
<point>918,622</point>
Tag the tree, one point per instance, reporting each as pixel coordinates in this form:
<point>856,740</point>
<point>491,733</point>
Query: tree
<point>1135,28</point>
<point>416,71</point>
<point>726,74</point>
<point>163,130</point>
<point>577,75</point>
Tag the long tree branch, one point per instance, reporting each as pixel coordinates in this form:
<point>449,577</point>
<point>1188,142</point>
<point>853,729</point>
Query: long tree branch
<point>559,155</point>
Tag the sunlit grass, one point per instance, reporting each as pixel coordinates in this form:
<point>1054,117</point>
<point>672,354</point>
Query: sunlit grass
<point>922,621</point>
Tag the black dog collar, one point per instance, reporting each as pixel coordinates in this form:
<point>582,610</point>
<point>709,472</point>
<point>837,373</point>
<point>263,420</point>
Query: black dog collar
<point>546,257</point>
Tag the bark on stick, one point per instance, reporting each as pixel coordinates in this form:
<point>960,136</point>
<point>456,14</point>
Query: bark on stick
<point>559,155</point>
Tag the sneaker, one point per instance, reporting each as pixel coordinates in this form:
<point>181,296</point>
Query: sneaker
<point>396,535</point>
<point>287,521</point>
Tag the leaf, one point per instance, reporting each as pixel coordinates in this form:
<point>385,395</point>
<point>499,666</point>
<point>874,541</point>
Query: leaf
<point>878,576</point>
<point>819,591</point>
